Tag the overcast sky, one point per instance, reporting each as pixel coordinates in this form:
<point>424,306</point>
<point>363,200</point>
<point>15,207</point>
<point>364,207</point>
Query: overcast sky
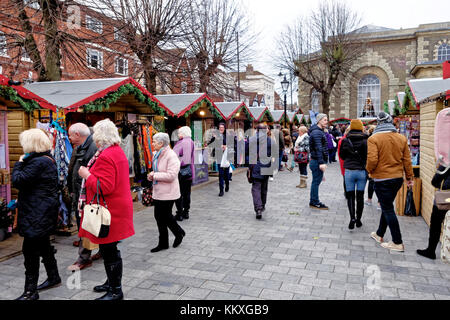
<point>269,17</point>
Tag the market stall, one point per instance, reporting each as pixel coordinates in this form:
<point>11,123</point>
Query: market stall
<point>278,117</point>
<point>200,113</point>
<point>16,115</point>
<point>237,115</point>
<point>261,114</point>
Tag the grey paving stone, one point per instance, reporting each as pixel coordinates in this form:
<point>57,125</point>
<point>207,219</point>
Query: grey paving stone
<point>217,295</point>
<point>268,284</point>
<point>269,294</point>
<point>296,288</point>
<point>414,295</point>
<point>216,286</point>
<point>328,293</point>
<point>433,289</point>
<point>246,290</point>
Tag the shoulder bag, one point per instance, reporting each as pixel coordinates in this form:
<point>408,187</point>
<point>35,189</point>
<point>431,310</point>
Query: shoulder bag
<point>442,198</point>
<point>186,172</point>
<point>97,218</point>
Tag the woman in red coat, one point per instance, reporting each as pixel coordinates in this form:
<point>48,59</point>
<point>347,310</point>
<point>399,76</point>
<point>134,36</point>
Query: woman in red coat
<point>110,166</point>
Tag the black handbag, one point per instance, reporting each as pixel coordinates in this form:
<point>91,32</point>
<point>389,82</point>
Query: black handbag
<point>410,208</point>
<point>186,172</point>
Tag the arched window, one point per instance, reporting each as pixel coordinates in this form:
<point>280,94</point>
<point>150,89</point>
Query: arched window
<point>315,97</point>
<point>444,52</point>
<point>369,92</point>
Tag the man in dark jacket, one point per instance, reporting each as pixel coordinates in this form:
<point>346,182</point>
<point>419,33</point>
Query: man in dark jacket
<point>261,166</point>
<point>319,157</point>
<point>84,150</point>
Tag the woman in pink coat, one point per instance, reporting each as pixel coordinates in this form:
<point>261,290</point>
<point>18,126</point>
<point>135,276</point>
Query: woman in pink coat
<point>166,190</point>
<point>109,165</point>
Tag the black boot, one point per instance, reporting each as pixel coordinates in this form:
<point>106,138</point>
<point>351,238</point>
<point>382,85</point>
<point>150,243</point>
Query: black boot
<point>114,273</point>
<point>103,287</point>
<point>179,216</point>
<point>427,253</point>
<point>227,187</point>
<point>359,207</point>
<point>178,239</point>
<point>221,193</point>
<point>30,292</point>
<point>351,208</point>
<point>186,214</point>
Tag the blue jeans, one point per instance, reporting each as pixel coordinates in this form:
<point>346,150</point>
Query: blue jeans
<point>317,179</point>
<point>386,192</point>
<point>355,178</point>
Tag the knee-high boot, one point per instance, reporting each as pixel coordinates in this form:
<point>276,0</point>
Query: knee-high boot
<point>30,291</point>
<point>351,208</point>
<point>359,207</point>
<point>114,274</point>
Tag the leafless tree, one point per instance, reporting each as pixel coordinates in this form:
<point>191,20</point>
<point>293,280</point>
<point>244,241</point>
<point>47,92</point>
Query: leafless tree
<point>219,33</point>
<point>152,28</point>
<point>320,49</point>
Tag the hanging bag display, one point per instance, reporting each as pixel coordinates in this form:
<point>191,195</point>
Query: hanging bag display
<point>442,198</point>
<point>97,218</point>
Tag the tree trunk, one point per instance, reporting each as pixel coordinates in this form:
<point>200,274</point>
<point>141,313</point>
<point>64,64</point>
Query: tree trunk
<point>150,80</point>
<point>326,103</point>
<point>52,48</point>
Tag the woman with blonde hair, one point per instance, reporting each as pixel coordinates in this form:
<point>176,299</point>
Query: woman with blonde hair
<point>36,177</point>
<point>108,169</point>
<point>184,149</point>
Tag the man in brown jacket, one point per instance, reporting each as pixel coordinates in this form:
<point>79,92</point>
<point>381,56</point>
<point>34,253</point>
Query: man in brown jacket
<point>387,159</point>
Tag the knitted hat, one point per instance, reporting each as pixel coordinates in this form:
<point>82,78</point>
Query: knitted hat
<point>356,124</point>
<point>383,117</point>
<point>320,116</point>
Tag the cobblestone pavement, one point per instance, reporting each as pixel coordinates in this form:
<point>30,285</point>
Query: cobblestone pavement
<point>294,252</point>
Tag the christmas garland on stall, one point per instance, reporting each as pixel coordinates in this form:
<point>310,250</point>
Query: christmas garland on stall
<point>104,103</point>
<point>12,95</point>
<point>407,100</point>
<point>208,105</point>
<point>269,115</point>
<point>247,113</point>
<point>386,107</point>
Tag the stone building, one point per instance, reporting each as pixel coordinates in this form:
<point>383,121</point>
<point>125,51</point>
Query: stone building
<point>391,58</point>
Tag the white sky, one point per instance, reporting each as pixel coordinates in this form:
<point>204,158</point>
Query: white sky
<point>270,16</point>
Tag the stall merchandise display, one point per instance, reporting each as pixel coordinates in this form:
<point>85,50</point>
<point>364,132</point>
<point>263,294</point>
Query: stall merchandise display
<point>409,126</point>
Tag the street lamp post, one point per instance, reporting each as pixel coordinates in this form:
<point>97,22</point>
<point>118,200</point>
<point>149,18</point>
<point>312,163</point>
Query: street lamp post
<point>285,86</point>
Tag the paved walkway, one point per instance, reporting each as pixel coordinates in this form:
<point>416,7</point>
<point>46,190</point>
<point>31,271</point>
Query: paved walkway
<point>294,252</point>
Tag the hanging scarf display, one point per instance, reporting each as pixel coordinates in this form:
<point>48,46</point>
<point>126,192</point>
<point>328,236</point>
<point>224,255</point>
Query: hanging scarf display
<point>147,144</point>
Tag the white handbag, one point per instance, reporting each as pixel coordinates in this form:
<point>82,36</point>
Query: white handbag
<point>445,243</point>
<point>97,218</point>
<point>224,163</point>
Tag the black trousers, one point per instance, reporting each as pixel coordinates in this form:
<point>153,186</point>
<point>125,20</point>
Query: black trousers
<point>370,188</point>
<point>437,218</point>
<point>183,204</point>
<point>259,193</point>
<point>33,249</point>
<point>165,219</point>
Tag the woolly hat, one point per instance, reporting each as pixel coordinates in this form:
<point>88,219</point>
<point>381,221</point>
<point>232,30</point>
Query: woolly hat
<point>320,116</point>
<point>383,117</point>
<point>356,124</point>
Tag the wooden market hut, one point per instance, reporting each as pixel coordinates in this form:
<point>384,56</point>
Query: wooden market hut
<point>278,117</point>
<point>92,100</point>
<point>200,113</point>
<point>237,115</point>
<point>293,118</point>
<point>261,114</point>
<point>16,115</point>
<point>432,99</point>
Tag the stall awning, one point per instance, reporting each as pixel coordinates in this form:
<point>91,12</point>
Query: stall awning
<point>292,115</point>
<point>93,94</point>
<point>23,97</point>
<point>277,115</point>
<point>425,88</point>
<point>186,103</point>
<point>230,109</point>
<point>259,112</point>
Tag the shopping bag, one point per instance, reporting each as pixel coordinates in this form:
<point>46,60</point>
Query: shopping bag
<point>97,218</point>
<point>445,243</point>
<point>87,244</point>
<point>224,163</point>
<point>147,196</point>
<point>410,207</point>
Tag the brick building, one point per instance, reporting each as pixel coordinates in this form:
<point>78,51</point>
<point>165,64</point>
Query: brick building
<point>392,57</point>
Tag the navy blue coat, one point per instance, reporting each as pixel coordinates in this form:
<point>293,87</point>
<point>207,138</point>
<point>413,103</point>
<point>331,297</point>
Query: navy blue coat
<point>318,144</point>
<point>36,178</point>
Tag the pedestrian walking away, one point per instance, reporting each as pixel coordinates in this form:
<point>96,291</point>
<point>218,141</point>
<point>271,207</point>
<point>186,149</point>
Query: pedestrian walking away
<point>302,147</point>
<point>166,189</point>
<point>388,159</point>
<point>260,169</point>
<point>84,149</point>
<point>318,146</point>
<point>353,151</point>
<point>35,176</point>
<point>184,149</point>
<point>108,169</point>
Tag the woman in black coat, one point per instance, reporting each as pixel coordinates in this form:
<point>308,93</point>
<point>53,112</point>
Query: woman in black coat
<point>440,179</point>
<point>35,176</point>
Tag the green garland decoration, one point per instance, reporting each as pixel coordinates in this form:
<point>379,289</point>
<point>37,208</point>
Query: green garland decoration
<point>407,100</point>
<point>386,107</point>
<point>396,110</point>
<point>269,115</point>
<point>104,103</point>
<point>10,94</point>
<point>208,105</point>
<point>249,116</point>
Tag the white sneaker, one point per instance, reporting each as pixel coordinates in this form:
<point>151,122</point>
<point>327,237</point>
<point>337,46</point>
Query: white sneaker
<point>392,246</point>
<point>376,237</point>
<point>270,178</point>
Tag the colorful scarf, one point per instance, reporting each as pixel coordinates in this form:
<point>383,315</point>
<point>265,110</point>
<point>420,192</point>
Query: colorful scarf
<point>155,163</point>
